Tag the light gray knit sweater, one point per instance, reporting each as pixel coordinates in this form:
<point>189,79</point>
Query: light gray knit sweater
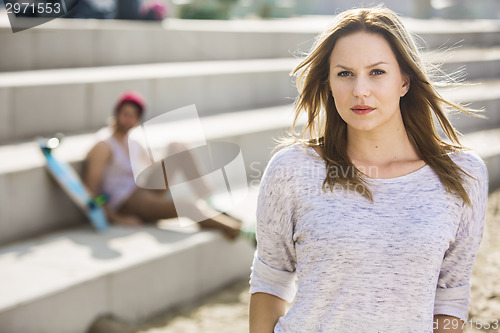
<point>386,266</point>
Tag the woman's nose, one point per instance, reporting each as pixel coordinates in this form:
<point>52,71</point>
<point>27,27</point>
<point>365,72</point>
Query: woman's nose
<point>361,87</point>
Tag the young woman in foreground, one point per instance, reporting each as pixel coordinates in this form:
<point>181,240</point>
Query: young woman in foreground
<point>377,218</point>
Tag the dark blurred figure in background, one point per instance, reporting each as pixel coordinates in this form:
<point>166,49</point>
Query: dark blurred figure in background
<point>140,10</point>
<point>127,9</point>
<point>150,10</point>
<point>93,9</point>
<point>154,11</point>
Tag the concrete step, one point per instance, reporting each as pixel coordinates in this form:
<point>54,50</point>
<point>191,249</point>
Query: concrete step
<point>65,43</point>
<point>63,281</point>
<point>478,95</point>
<point>49,208</point>
<point>80,100</point>
<point>487,145</point>
<point>473,64</point>
<point>438,33</point>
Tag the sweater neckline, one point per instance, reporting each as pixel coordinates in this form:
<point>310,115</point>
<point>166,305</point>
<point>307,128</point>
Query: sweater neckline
<point>410,175</point>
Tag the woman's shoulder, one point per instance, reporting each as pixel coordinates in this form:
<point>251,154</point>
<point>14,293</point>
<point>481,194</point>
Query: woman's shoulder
<point>287,161</point>
<point>290,155</point>
<point>470,162</point>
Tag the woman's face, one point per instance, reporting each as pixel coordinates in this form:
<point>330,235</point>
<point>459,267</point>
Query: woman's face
<point>127,117</point>
<point>366,82</point>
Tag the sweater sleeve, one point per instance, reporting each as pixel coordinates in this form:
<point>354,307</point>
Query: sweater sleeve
<point>453,287</point>
<point>273,269</point>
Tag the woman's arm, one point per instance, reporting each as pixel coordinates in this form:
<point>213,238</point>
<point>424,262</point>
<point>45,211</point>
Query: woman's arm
<point>265,310</point>
<point>95,164</point>
<point>447,324</point>
<point>451,305</point>
<point>272,281</point>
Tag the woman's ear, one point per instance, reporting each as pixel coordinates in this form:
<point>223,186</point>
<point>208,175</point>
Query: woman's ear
<point>406,85</point>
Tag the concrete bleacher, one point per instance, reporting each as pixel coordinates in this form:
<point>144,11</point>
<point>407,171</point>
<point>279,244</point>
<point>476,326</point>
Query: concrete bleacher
<point>61,274</point>
<point>78,100</point>
<point>60,282</point>
<point>90,43</point>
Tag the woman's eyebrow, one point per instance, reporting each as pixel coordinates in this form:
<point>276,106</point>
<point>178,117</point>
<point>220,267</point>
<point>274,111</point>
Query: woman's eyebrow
<point>369,66</point>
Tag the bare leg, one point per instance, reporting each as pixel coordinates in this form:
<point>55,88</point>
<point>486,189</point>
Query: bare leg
<point>186,164</point>
<point>151,205</point>
<point>148,205</point>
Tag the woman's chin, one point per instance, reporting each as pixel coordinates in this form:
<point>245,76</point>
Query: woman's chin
<point>362,128</point>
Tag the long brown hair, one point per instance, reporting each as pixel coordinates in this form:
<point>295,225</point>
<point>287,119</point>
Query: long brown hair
<point>329,130</point>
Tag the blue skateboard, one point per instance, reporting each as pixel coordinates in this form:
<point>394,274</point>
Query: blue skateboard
<point>71,183</point>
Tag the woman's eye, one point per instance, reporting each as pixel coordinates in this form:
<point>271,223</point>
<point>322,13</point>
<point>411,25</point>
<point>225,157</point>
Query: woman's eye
<point>344,74</point>
<point>377,72</point>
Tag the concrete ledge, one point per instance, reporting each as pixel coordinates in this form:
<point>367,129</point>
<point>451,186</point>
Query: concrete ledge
<point>478,95</point>
<point>64,280</point>
<point>80,100</point>
<point>24,156</point>
<point>487,145</point>
<point>474,64</point>
<point>64,43</point>
<point>89,43</point>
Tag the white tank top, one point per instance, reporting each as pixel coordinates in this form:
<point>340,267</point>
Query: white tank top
<point>118,179</point>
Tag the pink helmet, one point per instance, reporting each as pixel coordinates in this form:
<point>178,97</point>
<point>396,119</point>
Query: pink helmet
<point>131,97</point>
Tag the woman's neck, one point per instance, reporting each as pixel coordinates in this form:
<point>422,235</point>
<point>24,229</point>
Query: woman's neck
<point>119,135</point>
<point>380,148</point>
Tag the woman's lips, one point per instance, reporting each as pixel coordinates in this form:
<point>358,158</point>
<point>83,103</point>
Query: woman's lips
<point>362,109</point>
